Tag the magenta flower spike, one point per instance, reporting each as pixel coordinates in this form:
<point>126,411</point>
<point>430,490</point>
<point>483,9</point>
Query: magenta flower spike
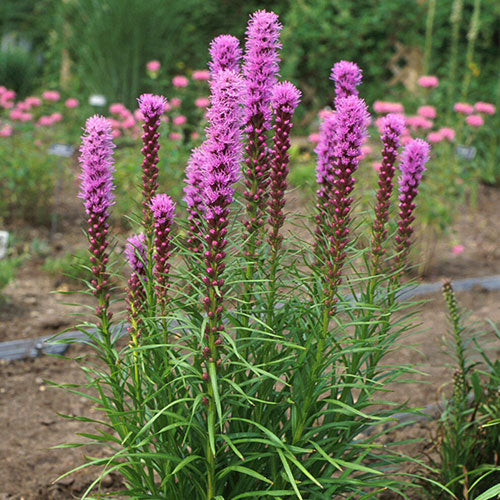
<point>225,52</point>
<point>347,76</point>
<point>163,209</point>
<point>136,255</point>
<point>415,156</point>
<point>194,200</point>
<point>285,98</point>
<point>348,125</point>
<point>392,128</point>
<point>220,156</point>
<point>260,68</point>
<point>96,189</point>
<point>152,108</point>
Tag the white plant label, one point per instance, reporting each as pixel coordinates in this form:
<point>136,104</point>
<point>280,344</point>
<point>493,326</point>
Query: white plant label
<point>64,150</point>
<point>4,239</point>
<point>97,100</point>
<point>466,152</point>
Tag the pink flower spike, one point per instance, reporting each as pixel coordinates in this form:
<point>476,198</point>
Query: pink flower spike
<point>226,53</point>
<point>485,107</point>
<point>428,81</point>
<point>72,103</point>
<point>347,76</point>
<point>475,120</point>
<point>180,81</point>
<point>457,249</point>
<point>463,108</point>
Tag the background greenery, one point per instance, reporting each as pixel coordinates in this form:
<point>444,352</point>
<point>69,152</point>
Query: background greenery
<point>109,41</point>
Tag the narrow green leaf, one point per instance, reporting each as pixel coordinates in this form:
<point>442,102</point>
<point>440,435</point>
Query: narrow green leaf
<point>243,470</point>
<point>289,474</point>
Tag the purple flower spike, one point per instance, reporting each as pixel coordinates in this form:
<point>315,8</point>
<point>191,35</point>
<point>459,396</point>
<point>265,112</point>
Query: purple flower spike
<point>226,53</point>
<point>347,76</point>
<point>348,125</point>
<point>163,209</point>
<point>136,254</point>
<point>285,99</point>
<point>392,127</point>
<point>220,157</point>
<point>194,200</point>
<point>152,108</point>
<point>96,189</point>
<point>260,68</point>
<point>414,158</point>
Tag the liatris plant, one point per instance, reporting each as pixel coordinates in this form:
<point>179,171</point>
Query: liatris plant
<point>273,393</point>
<point>393,126</point>
<point>414,158</point>
<point>260,68</point>
<point>468,442</point>
<point>347,76</point>
<point>97,192</point>
<point>152,108</point>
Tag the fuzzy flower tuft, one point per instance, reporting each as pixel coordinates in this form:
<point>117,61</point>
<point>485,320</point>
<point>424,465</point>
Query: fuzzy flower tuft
<point>226,53</point>
<point>285,97</point>
<point>152,105</point>
<point>97,166</point>
<point>261,64</point>
<point>135,252</point>
<point>347,76</point>
<point>163,208</point>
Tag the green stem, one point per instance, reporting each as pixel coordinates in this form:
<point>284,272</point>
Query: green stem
<point>431,11</point>
<point>469,57</point>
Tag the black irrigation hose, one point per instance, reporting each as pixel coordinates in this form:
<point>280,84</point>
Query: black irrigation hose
<point>31,348</point>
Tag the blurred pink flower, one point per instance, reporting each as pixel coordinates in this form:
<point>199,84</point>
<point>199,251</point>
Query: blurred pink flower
<point>202,102</point>
<point>418,122</point>
<point>175,102</point>
<point>457,249</point>
<point>388,107</point>
<point>314,137</point>
<point>6,103</point>
<point>138,115</point>
<point>6,131</point>
<point>427,112</point>
<point>463,108</point>
<point>9,95</point>
<point>72,103</point>
<point>23,106</point>
<point>428,81</point>
<point>447,133</point>
<point>116,132</point>
<point>51,95</point>
<point>2,89</point>
<point>33,101</point>
<point>325,113</point>
<point>376,165</point>
<point>153,66</point>
<point>485,107</point>
<point>129,122</point>
<point>45,121</point>
<point>180,81</point>
<point>175,136</point>
<point>195,135</point>
<point>435,137</point>
<point>405,139</point>
<point>365,151</point>
<point>179,120</point>
<point>56,117</point>
<point>474,120</point>
<point>201,75</point>
<point>117,108</point>
<point>15,114</point>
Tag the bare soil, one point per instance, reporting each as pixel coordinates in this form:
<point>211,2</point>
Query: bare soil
<point>29,407</point>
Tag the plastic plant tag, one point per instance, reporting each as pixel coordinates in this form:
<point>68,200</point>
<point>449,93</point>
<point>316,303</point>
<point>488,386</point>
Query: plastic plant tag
<point>4,239</point>
<point>97,100</point>
<point>466,152</point>
<point>64,150</point>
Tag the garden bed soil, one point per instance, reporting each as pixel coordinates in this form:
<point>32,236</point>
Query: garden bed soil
<point>29,407</point>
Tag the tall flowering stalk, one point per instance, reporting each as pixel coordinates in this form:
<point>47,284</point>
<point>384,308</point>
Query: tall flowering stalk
<point>96,189</point>
<point>222,152</point>
<point>392,126</point>
<point>260,68</point>
<point>285,99</point>
<point>347,76</point>
<point>349,129</point>
<point>163,209</point>
<point>414,158</point>
<point>152,108</point>
<point>225,52</point>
